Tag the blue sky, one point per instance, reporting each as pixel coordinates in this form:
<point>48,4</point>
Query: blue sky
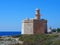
<point>12,12</point>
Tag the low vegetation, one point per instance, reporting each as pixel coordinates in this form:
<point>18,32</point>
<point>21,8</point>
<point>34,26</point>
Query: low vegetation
<point>40,39</point>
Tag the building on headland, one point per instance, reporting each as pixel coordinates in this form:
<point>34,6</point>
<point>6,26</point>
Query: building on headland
<point>34,26</point>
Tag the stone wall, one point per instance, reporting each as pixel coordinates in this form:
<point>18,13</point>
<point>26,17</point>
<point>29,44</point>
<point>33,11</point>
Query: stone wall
<point>40,27</point>
<point>27,28</point>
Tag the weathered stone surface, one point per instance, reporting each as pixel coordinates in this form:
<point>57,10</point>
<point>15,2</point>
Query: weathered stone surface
<point>27,28</point>
<point>34,26</point>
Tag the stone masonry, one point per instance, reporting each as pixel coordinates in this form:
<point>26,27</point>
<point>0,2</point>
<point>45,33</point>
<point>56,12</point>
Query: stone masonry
<point>34,26</point>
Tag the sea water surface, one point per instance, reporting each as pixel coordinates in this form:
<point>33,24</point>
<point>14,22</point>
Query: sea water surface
<point>10,33</point>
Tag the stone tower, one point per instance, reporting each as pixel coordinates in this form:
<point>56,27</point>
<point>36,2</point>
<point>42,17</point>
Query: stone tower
<point>37,14</point>
<point>34,26</point>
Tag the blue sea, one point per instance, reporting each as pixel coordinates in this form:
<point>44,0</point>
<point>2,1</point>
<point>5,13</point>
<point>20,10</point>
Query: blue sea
<point>9,33</point>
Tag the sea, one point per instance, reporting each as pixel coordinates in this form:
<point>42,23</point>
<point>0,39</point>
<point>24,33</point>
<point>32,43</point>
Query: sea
<point>11,33</point>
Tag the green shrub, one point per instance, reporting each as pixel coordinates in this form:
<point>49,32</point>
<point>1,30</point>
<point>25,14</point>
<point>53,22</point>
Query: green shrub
<point>38,39</point>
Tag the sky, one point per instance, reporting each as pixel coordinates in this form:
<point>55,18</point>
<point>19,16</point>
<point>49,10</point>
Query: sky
<point>12,12</point>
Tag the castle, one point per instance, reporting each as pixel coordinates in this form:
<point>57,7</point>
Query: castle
<point>34,26</point>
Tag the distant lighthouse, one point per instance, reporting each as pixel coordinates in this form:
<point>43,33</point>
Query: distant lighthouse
<point>34,26</point>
